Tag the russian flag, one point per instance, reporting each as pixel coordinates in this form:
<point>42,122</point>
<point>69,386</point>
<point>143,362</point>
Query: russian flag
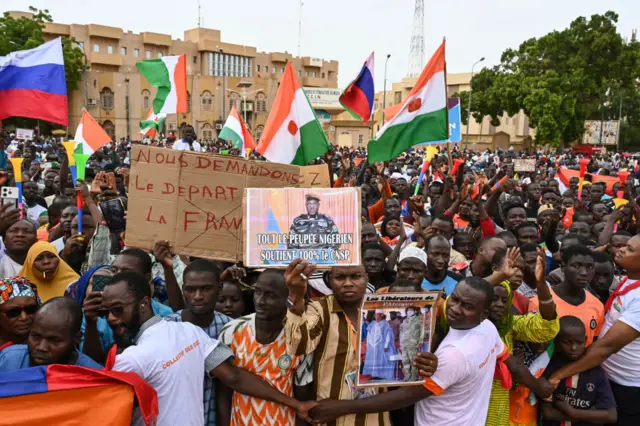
<point>32,84</point>
<point>67,394</point>
<point>357,98</point>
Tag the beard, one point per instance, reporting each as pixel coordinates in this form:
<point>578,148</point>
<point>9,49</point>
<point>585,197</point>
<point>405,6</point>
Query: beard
<point>131,329</point>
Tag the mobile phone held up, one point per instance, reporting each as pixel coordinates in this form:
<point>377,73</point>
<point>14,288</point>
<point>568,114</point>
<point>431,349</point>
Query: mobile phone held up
<point>113,212</point>
<point>9,195</point>
<point>100,282</point>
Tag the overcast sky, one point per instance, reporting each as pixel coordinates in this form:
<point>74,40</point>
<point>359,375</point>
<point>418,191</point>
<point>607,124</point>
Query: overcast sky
<point>348,30</point>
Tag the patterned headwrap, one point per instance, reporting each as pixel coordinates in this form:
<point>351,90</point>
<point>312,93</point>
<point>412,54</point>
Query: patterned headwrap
<point>16,287</point>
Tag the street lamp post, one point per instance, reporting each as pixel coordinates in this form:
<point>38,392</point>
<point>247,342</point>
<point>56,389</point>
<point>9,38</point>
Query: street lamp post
<point>384,92</point>
<point>466,145</point>
<point>244,94</point>
<point>86,78</point>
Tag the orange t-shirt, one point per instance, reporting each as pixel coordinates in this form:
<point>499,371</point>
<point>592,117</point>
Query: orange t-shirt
<point>270,362</point>
<point>590,312</point>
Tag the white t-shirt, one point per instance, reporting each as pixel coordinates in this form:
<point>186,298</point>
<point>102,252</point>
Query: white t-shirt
<point>35,212</point>
<point>181,145</point>
<point>462,382</point>
<point>8,268</point>
<point>173,357</point>
<point>623,367</point>
<point>58,244</point>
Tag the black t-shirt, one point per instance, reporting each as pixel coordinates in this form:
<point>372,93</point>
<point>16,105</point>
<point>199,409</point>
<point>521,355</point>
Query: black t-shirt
<point>590,390</point>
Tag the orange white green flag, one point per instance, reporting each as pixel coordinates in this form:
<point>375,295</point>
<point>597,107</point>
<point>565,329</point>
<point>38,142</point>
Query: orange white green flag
<point>422,116</point>
<point>90,136</point>
<point>150,126</point>
<point>169,75</point>
<point>236,133</point>
<point>292,134</point>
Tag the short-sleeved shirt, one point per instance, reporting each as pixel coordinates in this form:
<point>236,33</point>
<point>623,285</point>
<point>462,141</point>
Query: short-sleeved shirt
<point>448,285</point>
<point>585,391</point>
<point>16,357</point>
<point>273,364</point>
<point>171,357</point>
<point>214,330</point>
<point>623,367</point>
<point>590,312</point>
<point>462,383</point>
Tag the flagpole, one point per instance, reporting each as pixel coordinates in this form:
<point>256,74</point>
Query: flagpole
<point>446,103</point>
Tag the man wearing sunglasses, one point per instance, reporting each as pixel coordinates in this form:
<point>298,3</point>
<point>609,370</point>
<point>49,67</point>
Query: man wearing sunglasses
<point>54,335</point>
<point>169,355</point>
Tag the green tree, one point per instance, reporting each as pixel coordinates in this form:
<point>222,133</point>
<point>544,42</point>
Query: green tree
<point>561,79</point>
<point>26,33</point>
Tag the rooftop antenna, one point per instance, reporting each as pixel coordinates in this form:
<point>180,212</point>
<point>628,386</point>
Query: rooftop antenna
<point>199,14</point>
<point>300,31</point>
<point>416,51</point>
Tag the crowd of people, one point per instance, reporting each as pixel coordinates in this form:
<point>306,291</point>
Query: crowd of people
<point>538,322</point>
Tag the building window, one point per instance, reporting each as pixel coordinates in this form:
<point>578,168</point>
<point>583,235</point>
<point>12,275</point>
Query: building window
<point>323,76</point>
<point>81,43</point>
<point>188,102</point>
<point>110,49</point>
<point>397,97</point>
<point>136,53</point>
<point>123,51</point>
<point>206,101</point>
<point>96,47</point>
<point>259,131</point>
<point>106,99</point>
<point>160,55</point>
<point>195,59</point>
<point>360,139</point>
<point>258,68</point>
<point>146,99</point>
<point>207,132</point>
<point>313,74</point>
<point>306,74</point>
<point>109,129</point>
<point>281,70</point>
<point>299,73</point>
<point>147,54</point>
<point>261,103</point>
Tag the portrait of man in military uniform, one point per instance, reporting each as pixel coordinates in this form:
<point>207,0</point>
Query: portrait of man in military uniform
<point>312,223</point>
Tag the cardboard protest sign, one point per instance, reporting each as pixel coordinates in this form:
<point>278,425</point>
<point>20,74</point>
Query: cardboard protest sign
<point>24,134</point>
<point>381,362</point>
<point>321,226</point>
<point>316,176</point>
<point>194,200</point>
<point>526,165</point>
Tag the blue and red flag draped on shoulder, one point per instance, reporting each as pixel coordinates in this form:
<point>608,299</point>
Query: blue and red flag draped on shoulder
<point>357,98</point>
<point>32,84</point>
<point>67,394</point>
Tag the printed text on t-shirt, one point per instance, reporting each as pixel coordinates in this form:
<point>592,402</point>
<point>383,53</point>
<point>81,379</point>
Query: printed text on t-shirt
<point>179,356</point>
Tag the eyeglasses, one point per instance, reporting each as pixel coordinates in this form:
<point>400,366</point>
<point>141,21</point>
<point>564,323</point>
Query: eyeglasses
<point>15,312</point>
<point>116,311</point>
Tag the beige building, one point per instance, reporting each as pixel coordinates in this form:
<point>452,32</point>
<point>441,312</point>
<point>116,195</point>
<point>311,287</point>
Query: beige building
<point>513,131</point>
<point>119,97</point>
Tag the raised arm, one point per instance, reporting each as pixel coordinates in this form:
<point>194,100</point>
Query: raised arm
<point>547,306</point>
<point>162,253</point>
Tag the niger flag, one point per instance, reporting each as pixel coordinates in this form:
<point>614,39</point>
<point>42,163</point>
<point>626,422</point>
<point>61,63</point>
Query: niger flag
<point>292,134</point>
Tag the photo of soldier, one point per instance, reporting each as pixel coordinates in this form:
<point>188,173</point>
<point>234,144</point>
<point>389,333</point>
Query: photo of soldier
<point>312,223</point>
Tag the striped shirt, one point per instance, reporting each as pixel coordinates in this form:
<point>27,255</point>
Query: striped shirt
<point>325,331</point>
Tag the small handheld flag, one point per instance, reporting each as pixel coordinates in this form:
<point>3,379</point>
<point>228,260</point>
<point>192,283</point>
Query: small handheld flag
<point>357,98</point>
<point>431,152</point>
<point>235,131</point>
